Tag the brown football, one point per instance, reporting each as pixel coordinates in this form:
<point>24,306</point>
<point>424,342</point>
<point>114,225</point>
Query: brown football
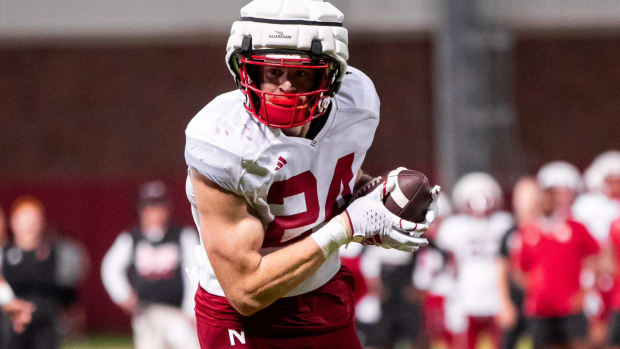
<point>411,197</point>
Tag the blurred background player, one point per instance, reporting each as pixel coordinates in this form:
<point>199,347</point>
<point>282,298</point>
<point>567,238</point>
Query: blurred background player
<point>553,251</point>
<point>389,276</point>
<point>42,269</point>
<point>597,208</point>
<point>15,313</point>
<point>144,274</point>
<point>511,319</point>
<point>473,237</point>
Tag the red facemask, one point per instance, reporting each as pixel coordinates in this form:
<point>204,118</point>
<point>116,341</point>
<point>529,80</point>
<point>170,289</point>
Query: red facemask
<point>285,110</point>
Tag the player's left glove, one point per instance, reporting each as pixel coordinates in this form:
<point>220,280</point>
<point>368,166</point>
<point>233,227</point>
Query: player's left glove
<point>369,222</point>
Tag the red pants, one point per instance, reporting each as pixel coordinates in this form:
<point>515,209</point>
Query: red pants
<point>480,325</point>
<point>212,337</point>
<point>323,318</point>
<point>434,318</point>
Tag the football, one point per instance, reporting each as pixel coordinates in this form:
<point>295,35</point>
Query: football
<point>410,198</point>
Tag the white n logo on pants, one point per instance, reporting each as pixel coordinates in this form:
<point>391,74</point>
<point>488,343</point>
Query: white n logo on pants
<point>240,336</point>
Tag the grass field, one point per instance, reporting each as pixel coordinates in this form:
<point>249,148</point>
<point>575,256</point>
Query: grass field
<point>100,342</point>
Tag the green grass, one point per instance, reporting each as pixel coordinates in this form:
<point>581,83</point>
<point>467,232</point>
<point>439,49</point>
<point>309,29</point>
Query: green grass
<point>100,342</point>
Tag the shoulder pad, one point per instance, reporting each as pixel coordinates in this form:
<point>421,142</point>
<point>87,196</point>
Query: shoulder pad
<point>220,137</point>
<point>358,91</point>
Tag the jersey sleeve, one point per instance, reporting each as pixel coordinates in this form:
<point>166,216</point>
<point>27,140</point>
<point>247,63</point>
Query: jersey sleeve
<point>212,161</point>
<point>589,245</point>
<point>114,267</point>
<point>72,261</point>
<point>614,234</point>
<point>211,149</point>
<point>359,92</point>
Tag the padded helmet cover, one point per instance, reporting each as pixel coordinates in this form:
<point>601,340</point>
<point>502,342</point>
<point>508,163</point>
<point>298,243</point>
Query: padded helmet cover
<point>289,25</point>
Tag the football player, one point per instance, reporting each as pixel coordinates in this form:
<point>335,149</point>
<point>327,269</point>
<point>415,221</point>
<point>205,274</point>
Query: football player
<point>18,311</point>
<point>143,272</point>
<point>271,168</point>
<point>40,270</point>
<point>526,207</point>
<point>473,237</point>
<point>554,249</point>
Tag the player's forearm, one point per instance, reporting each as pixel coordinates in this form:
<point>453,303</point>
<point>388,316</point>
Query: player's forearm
<point>283,270</point>
<point>269,277</point>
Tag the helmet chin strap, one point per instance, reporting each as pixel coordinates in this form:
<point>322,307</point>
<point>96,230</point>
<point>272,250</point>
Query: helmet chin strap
<point>284,110</point>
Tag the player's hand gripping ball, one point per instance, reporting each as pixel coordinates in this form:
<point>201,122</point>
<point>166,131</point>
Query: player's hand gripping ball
<point>412,197</point>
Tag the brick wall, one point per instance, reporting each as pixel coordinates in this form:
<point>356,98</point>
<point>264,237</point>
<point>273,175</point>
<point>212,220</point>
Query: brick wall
<point>82,126</point>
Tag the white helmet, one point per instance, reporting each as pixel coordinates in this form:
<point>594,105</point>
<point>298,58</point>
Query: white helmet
<point>294,34</point>
<point>478,193</point>
<point>559,174</point>
<point>604,165</point>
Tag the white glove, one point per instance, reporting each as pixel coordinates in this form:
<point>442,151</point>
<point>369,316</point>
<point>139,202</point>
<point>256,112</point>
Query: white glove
<point>433,208</point>
<point>373,224</point>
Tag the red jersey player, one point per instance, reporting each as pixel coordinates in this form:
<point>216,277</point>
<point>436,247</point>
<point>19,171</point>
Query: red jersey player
<point>552,253</point>
<point>271,169</point>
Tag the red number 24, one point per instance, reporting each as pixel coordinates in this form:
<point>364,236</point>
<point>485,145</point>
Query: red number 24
<point>305,183</point>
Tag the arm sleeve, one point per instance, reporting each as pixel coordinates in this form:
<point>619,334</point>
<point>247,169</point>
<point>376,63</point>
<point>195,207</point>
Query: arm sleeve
<point>72,266</point>
<point>189,240</point>
<point>73,263</point>
<point>589,244</point>
<point>217,164</point>
<point>114,268</point>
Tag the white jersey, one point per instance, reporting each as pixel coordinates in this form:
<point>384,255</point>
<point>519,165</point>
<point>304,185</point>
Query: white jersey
<point>294,184</point>
<point>475,244</point>
<point>596,211</point>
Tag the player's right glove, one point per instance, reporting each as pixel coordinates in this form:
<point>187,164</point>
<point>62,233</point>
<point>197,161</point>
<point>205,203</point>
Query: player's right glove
<point>370,223</point>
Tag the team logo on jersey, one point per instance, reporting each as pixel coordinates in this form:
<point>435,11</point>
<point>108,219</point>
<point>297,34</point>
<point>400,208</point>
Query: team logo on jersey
<point>240,336</point>
<point>281,163</point>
